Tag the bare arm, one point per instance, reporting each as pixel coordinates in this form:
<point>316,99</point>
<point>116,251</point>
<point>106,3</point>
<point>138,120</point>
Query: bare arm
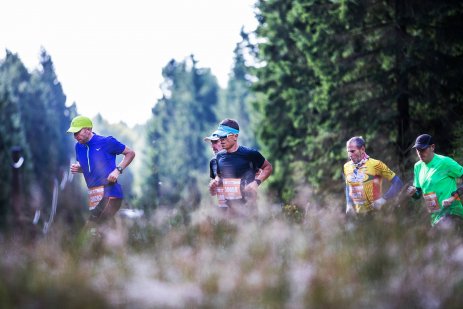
<point>129,154</point>
<point>266,171</point>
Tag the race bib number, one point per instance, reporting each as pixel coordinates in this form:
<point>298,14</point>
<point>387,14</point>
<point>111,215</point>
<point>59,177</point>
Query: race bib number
<point>431,202</point>
<point>221,197</point>
<point>232,190</point>
<point>357,194</point>
<point>95,195</point>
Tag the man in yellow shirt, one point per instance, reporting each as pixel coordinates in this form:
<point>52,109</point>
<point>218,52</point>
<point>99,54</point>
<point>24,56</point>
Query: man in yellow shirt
<point>364,177</point>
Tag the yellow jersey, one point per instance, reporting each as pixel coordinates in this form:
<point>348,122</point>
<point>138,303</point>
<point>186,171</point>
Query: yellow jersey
<point>365,182</point>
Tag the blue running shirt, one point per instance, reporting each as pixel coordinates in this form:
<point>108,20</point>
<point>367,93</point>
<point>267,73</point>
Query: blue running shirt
<point>97,159</point>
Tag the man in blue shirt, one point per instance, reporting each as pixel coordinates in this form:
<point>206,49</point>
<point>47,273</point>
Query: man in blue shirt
<point>96,159</point>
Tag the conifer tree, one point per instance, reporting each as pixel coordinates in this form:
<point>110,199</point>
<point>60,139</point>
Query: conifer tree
<point>238,97</point>
<point>386,70</point>
<point>181,118</point>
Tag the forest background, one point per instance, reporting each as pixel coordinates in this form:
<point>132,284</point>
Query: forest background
<point>312,75</point>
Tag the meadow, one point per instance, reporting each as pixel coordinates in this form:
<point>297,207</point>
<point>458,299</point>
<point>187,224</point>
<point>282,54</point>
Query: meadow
<point>285,257</point>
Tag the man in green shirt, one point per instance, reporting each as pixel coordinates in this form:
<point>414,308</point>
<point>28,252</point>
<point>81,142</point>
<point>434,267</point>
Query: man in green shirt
<point>435,178</point>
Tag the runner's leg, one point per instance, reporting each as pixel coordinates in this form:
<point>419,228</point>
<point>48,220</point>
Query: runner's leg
<point>110,209</point>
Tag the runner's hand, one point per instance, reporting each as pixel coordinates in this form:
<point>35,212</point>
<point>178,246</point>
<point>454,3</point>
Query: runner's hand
<point>112,178</point>
<point>75,168</point>
<point>251,191</point>
<point>411,190</point>
<point>377,204</point>
<point>448,202</point>
<point>350,211</point>
<point>251,187</point>
<point>213,186</point>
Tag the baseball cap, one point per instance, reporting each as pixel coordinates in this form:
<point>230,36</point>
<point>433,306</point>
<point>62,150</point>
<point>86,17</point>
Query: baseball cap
<point>423,141</point>
<point>212,137</point>
<point>78,123</point>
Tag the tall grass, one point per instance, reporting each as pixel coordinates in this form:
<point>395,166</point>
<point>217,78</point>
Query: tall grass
<point>287,257</point>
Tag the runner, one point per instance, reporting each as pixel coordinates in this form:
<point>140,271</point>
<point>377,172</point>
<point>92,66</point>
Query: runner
<point>435,179</point>
<point>237,167</point>
<point>364,177</point>
<point>216,146</point>
<point>96,159</point>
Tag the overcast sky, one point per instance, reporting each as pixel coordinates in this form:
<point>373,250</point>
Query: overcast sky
<point>108,54</point>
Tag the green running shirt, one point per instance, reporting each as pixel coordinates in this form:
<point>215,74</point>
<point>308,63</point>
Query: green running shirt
<point>437,180</point>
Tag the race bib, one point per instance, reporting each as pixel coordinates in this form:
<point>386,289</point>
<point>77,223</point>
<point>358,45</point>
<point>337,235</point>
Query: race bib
<point>232,190</point>
<point>431,202</point>
<point>357,194</point>
<point>221,197</point>
<point>95,195</point>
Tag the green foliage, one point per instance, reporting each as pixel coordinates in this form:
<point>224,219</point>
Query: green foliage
<point>330,70</point>
<point>180,120</point>
<point>293,213</point>
<point>34,118</point>
<point>14,78</point>
<point>237,98</point>
<point>46,120</point>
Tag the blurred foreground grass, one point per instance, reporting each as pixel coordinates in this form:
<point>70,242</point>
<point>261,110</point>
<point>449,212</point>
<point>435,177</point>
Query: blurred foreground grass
<point>286,258</point>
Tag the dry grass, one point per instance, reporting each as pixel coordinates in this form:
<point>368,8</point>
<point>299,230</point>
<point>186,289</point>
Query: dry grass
<point>284,258</point>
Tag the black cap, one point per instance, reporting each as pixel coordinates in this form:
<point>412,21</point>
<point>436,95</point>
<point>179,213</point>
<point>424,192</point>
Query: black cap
<point>423,141</point>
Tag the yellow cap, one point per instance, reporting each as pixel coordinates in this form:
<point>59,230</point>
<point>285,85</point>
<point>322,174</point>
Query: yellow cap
<point>78,123</point>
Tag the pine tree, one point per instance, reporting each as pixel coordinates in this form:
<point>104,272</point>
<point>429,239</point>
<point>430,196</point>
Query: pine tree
<point>386,70</point>
<point>180,120</point>
<point>35,118</point>
<point>237,97</point>
<point>14,92</point>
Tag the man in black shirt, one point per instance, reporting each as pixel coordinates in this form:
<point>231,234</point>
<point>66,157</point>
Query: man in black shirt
<point>216,147</point>
<point>214,141</point>
<point>237,166</point>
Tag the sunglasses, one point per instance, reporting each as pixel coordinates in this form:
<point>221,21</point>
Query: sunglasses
<point>224,136</point>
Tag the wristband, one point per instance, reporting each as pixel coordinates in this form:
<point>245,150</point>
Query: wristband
<point>417,194</point>
<point>258,181</point>
<point>119,169</point>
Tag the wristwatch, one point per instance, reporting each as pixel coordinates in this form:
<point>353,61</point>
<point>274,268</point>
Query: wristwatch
<point>258,181</point>
<point>120,169</point>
